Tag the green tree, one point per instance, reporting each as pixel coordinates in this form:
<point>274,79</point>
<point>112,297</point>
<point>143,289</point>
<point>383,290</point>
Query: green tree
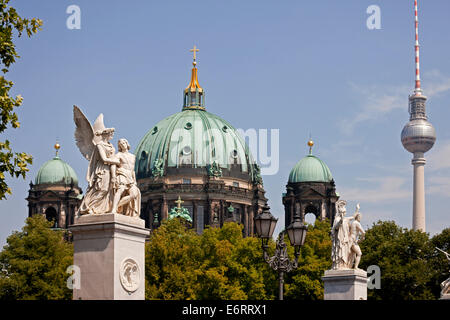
<point>305,283</point>
<point>14,163</point>
<point>219,264</point>
<point>403,256</point>
<point>33,263</point>
<point>440,264</point>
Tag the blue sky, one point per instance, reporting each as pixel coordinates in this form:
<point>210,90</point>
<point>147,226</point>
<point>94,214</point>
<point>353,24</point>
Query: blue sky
<point>298,66</point>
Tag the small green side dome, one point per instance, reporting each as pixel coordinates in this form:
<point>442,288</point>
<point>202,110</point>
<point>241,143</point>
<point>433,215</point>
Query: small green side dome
<point>56,172</point>
<point>310,169</point>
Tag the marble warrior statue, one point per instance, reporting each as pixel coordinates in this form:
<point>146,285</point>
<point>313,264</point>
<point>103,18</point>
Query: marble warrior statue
<point>109,176</point>
<point>345,236</point>
<point>445,285</point>
<point>356,230</point>
<point>340,237</point>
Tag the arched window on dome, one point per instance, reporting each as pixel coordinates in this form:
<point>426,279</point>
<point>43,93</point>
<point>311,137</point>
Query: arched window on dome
<point>234,158</point>
<point>185,157</point>
<point>311,213</point>
<point>52,215</point>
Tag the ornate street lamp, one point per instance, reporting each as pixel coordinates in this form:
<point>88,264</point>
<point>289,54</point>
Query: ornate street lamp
<point>265,225</point>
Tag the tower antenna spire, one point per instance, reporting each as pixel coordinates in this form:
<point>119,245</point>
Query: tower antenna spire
<point>418,89</point>
<point>418,136</point>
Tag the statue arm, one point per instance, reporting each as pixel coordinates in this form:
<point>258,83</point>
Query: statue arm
<point>132,168</point>
<point>361,230</point>
<point>104,158</point>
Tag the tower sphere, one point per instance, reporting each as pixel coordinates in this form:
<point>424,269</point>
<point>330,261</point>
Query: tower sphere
<point>418,135</point>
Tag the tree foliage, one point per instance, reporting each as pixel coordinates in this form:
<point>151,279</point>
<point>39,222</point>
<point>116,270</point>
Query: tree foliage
<point>439,263</point>
<point>14,163</point>
<point>305,283</point>
<point>33,263</point>
<point>408,261</point>
<point>219,264</point>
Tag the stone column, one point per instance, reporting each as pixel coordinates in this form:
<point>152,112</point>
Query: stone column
<point>194,216</point>
<point>109,250</point>
<point>323,211</point>
<point>250,220</point>
<point>164,211</point>
<point>346,284</point>
<point>246,224</point>
<point>419,192</point>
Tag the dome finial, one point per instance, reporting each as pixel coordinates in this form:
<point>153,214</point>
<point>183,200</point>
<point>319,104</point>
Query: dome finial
<point>57,146</point>
<point>194,50</point>
<point>310,144</point>
<point>193,94</point>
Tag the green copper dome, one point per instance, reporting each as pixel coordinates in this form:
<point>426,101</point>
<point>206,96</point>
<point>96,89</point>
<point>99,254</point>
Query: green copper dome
<point>195,138</point>
<point>310,169</point>
<point>56,171</point>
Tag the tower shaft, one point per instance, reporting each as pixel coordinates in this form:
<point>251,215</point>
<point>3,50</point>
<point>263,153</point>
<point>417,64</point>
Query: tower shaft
<point>418,192</point>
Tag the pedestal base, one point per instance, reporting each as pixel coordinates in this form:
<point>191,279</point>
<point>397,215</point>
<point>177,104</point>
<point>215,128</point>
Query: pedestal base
<point>109,250</point>
<point>347,284</point>
<point>445,297</point>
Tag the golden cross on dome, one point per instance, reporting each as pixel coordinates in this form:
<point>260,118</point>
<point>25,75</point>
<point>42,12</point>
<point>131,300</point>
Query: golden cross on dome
<point>194,50</point>
<point>179,202</point>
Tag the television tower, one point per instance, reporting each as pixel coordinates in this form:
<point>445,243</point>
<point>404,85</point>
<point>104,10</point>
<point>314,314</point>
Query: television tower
<point>418,136</point>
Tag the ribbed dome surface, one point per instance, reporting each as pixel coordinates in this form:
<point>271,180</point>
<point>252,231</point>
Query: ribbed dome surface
<point>310,169</point>
<point>56,171</point>
<point>195,138</point>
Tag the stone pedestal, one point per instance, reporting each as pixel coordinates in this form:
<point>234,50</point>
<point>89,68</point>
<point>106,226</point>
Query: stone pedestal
<point>348,284</point>
<point>445,296</point>
<point>109,250</point>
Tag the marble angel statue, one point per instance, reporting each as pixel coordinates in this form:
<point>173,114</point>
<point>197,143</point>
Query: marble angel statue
<point>94,145</point>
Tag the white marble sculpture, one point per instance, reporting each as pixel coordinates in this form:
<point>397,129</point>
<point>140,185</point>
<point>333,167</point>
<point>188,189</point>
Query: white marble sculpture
<point>356,233</point>
<point>111,180</point>
<point>345,252</point>
<point>445,285</point>
<point>127,196</point>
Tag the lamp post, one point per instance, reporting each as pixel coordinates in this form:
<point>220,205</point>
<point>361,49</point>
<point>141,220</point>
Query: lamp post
<point>265,225</point>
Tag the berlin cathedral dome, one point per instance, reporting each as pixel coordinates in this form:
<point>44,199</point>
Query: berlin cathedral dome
<point>201,158</point>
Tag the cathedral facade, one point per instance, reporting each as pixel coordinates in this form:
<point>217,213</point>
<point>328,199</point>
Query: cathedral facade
<point>199,160</point>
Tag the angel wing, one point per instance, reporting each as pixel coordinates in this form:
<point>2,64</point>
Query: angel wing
<point>84,133</point>
<point>98,126</point>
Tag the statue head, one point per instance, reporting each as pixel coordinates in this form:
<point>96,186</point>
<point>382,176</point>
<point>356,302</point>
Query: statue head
<point>358,216</point>
<point>123,145</point>
<point>340,207</point>
<point>106,134</point>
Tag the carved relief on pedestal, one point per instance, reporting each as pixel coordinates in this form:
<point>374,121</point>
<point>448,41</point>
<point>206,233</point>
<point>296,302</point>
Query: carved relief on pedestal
<point>129,274</point>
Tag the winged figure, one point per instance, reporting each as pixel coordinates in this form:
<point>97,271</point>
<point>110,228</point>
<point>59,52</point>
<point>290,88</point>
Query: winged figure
<point>93,143</point>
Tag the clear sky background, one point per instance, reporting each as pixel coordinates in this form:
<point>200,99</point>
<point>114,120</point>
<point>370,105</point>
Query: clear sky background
<point>298,66</point>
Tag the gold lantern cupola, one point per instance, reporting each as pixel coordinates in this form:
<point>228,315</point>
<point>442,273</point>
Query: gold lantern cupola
<point>194,96</point>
